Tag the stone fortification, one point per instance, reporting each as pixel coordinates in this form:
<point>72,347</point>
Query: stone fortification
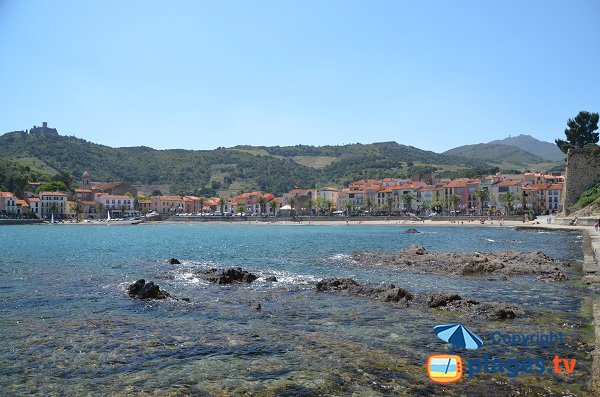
<point>583,171</point>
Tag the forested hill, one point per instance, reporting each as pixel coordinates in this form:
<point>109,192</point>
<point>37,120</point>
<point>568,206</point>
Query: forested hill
<point>227,170</point>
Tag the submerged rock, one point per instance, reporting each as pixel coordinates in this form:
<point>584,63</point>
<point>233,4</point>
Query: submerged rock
<point>411,231</point>
<point>174,261</point>
<point>438,300</point>
<point>271,279</point>
<point>336,284</point>
<point>229,276</point>
<point>143,290</point>
<point>441,299</point>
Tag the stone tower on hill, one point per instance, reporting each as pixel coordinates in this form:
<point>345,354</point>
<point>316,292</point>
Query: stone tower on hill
<point>43,129</point>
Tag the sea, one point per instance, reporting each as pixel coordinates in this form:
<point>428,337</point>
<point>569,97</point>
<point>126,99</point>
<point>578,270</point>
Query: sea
<point>69,328</point>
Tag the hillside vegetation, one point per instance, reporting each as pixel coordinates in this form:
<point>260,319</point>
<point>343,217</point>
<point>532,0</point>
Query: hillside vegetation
<point>227,171</point>
<point>546,150</point>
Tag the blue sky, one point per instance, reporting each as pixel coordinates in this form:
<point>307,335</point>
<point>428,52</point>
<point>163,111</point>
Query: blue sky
<point>199,75</point>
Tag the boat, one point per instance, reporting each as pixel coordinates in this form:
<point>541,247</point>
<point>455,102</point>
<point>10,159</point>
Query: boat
<point>107,216</point>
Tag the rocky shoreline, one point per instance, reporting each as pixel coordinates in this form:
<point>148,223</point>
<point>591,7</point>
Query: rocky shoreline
<point>487,264</point>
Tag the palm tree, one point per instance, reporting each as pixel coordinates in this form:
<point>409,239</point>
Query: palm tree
<point>453,199</point>
<point>53,207</point>
<point>319,201</point>
<point>329,205</point>
<point>241,208</point>
<point>309,204</point>
<point>437,206</point>
<point>262,203</point>
<point>348,207</point>
<point>122,208</point>
<point>369,204</point>
<point>408,198</point>
<point>222,204</point>
<point>274,204</point>
<point>201,203</point>
<point>100,208</point>
<point>292,202</point>
<point>389,201</point>
<point>508,199</point>
<point>482,195</point>
<point>77,210</point>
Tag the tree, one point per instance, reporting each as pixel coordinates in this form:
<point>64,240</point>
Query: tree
<point>389,201</point>
<point>201,203</point>
<point>241,208</point>
<point>77,209</point>
<point>122,208</point>
<point>53,207</point>
<point>369,204</point>
<point>292,202</point>
<point>408,198</point>
<point>507,200</point>
<point>437,206</point>
<point>482,195</point>
<point>319,202</point>
<point>274,205</point>
<point>156,192</point>
<point>100,208</point>
<point>309,204</point>
<point>580,132</point>
<point>329,205</point>
<point>453,199</point>
<point>348,207</point>
<point>49,187</point>
<point>262,203</point>
<point>222,204</point>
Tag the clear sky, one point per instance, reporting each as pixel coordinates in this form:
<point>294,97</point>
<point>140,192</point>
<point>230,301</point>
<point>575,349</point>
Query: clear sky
<point>199,74</point>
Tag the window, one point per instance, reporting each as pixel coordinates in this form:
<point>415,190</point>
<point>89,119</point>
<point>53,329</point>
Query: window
<point>503,189</point>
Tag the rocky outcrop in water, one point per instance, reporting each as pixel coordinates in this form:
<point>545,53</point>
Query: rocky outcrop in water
<point>228,276</point>
<point>143,290</point>
<point>501,263</point>
<point>383,292</point>
<point>174,261</point>
<point>411,231</point>
<point>271,279</point>
<point>438,300</point>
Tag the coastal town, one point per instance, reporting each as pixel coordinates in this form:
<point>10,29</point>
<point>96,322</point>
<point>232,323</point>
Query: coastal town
<point>529,194</point>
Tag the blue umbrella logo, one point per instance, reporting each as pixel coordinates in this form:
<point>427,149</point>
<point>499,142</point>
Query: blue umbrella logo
<point>458,335</point>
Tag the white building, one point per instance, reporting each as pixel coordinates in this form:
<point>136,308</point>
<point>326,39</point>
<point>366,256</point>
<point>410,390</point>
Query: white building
<point>53,203</point>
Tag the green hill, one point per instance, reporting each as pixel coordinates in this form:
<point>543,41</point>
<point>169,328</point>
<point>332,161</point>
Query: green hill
<point>226,171</point>
<point>502,155</point>
<point>546,150</point>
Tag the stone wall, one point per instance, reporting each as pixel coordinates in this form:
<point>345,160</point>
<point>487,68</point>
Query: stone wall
<point>583,171</point>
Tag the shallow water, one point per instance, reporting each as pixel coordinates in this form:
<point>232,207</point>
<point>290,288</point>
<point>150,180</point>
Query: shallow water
<point>69,328</point>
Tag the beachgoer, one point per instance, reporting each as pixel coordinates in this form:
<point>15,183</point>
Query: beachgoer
<point>597,224</point>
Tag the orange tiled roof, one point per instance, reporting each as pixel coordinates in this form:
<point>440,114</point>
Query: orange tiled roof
<point>6,194</point>
<point>508,182</point>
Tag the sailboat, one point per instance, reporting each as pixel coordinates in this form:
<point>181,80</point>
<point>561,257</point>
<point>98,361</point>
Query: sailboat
<point>108,216</point>
<point>52,218</point>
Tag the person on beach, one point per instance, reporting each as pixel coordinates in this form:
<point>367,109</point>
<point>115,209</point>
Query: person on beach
<point>597,224</point>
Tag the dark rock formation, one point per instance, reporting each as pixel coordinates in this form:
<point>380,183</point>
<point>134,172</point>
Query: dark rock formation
<point>229,276</point>
<point>336,284</point>
<point>142,290</point>
<point>411,231</point>
<point>174,261</point>
<point>271,279</point>
<point>439,300</point>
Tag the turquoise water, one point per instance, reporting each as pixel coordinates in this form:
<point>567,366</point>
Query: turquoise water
<point>69,328</point>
